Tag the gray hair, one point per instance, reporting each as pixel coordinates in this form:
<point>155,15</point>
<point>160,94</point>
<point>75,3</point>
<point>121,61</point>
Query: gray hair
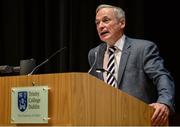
<point>117,10</point>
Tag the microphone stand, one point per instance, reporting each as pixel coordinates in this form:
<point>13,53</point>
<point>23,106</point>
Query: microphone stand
<point>101,70</point>
<point>93,63</point>
<point>58,51</point>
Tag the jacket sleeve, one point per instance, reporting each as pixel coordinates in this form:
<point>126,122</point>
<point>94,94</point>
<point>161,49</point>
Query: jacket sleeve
<point>155,70</point>
<point>91,57</point>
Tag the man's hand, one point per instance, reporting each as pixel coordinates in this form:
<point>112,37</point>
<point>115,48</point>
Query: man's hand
<point>160,115</point>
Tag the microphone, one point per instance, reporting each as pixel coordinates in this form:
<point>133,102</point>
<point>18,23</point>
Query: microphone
<point>37,67</point>
<point>93,63</point>
<point>102,70</point>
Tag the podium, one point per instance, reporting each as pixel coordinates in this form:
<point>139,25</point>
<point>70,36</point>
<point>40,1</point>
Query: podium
<point>78,99</point>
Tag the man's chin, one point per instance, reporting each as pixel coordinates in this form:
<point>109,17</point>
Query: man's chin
<point>105,39</point>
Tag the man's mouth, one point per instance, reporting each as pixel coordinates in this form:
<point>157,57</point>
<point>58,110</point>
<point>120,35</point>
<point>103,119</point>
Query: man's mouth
<point>105,32</point>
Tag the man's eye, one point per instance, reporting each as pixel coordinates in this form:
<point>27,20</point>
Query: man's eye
<point>106,20</point>
<point>97,23</point>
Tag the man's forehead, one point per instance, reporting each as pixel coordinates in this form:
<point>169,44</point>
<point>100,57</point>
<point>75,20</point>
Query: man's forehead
<point>105,12</point>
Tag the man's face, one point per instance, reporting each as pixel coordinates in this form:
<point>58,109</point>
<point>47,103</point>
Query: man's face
<point>109,28</point>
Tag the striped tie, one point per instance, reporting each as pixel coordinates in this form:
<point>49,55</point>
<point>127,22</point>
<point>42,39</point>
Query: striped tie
<point>111,67</point>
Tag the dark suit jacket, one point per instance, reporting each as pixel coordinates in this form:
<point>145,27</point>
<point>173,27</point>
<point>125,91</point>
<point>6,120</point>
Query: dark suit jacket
<point>141,72</point>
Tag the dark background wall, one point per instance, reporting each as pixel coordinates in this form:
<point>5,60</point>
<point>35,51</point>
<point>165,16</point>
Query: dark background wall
<point>37,28</point>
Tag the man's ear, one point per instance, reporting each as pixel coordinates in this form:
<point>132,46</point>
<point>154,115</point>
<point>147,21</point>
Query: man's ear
<point>122,23</point>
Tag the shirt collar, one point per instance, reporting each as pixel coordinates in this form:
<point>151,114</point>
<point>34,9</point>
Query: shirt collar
<point>119,43</point>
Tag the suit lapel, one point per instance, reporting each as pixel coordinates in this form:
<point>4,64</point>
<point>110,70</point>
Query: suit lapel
<point>100,58</point>
<point>124,58</point>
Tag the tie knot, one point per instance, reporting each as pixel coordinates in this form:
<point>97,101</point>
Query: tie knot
<point>112,49</point>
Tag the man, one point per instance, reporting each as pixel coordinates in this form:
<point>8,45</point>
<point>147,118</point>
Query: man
<point>132,65</point>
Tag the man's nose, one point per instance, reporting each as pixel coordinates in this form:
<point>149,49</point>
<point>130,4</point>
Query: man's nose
<point>101,25</point>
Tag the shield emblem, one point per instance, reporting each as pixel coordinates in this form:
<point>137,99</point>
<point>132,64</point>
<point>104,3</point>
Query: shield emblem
<point>22,100</point>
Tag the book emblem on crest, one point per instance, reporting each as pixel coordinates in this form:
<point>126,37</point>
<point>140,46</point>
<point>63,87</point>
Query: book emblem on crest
<point>22,100</point>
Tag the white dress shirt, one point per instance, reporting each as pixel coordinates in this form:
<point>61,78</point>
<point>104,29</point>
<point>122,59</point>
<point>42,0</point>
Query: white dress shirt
<point>119,46</point>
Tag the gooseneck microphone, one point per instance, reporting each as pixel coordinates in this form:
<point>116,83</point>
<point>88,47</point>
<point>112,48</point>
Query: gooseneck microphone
<point>95,59</point>
<point>102,70</point>
<point>37,67</point>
